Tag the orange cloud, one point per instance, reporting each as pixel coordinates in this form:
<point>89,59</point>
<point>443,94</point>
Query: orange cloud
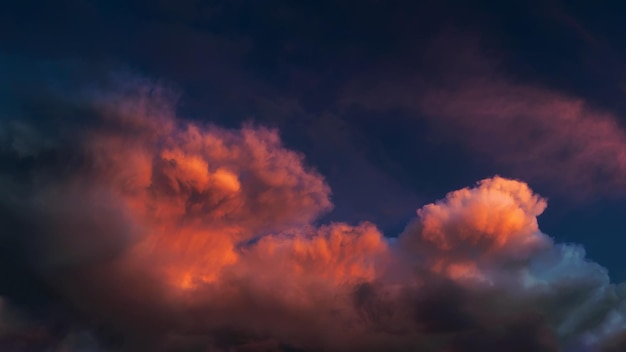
<point>337,253</point>
<point>197,192</point>
<point>496,220</point>
<point>209,242</point>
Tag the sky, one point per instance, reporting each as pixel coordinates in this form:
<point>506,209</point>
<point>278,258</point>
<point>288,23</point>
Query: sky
<point>312,176</point>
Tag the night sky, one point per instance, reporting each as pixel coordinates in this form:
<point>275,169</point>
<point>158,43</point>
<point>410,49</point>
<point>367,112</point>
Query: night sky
<point>312,176</point>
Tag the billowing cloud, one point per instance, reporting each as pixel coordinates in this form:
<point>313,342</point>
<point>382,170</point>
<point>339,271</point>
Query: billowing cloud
<point>152,232</point>
<point>496,221</point>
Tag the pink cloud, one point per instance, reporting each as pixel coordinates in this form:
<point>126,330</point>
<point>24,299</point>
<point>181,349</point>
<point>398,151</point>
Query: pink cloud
<point>537,133</point>
<point>532,132</point>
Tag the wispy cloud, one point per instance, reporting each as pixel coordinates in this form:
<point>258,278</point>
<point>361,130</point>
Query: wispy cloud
<point>530,131</point>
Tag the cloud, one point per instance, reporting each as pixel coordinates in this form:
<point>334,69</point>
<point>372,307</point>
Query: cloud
<point>546,133</point>
<point>499,214</point>
<point>531,131</point>
<point>152,232</point>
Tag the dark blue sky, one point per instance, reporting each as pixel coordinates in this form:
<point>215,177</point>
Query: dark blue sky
<point>298,66</point>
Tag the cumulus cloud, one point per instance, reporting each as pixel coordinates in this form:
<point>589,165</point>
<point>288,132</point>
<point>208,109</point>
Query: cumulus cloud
<point>153,232</point>
<point>495,221</point>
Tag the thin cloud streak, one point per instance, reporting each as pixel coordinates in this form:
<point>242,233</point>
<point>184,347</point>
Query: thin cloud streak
<point>531,132</point>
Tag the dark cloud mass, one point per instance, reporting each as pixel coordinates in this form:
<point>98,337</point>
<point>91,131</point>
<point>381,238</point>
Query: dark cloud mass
<point>222,176</point>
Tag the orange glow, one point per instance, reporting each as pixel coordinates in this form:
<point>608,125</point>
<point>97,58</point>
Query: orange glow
<point>196,193</point>
<point>191,169</point>
<point>227,180</point>
<point>498,213</point>
<point>474,227</point>
<point>188,256</point>
<point>337,252</point>
<point>200,194</point>
<point>458,270</point>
